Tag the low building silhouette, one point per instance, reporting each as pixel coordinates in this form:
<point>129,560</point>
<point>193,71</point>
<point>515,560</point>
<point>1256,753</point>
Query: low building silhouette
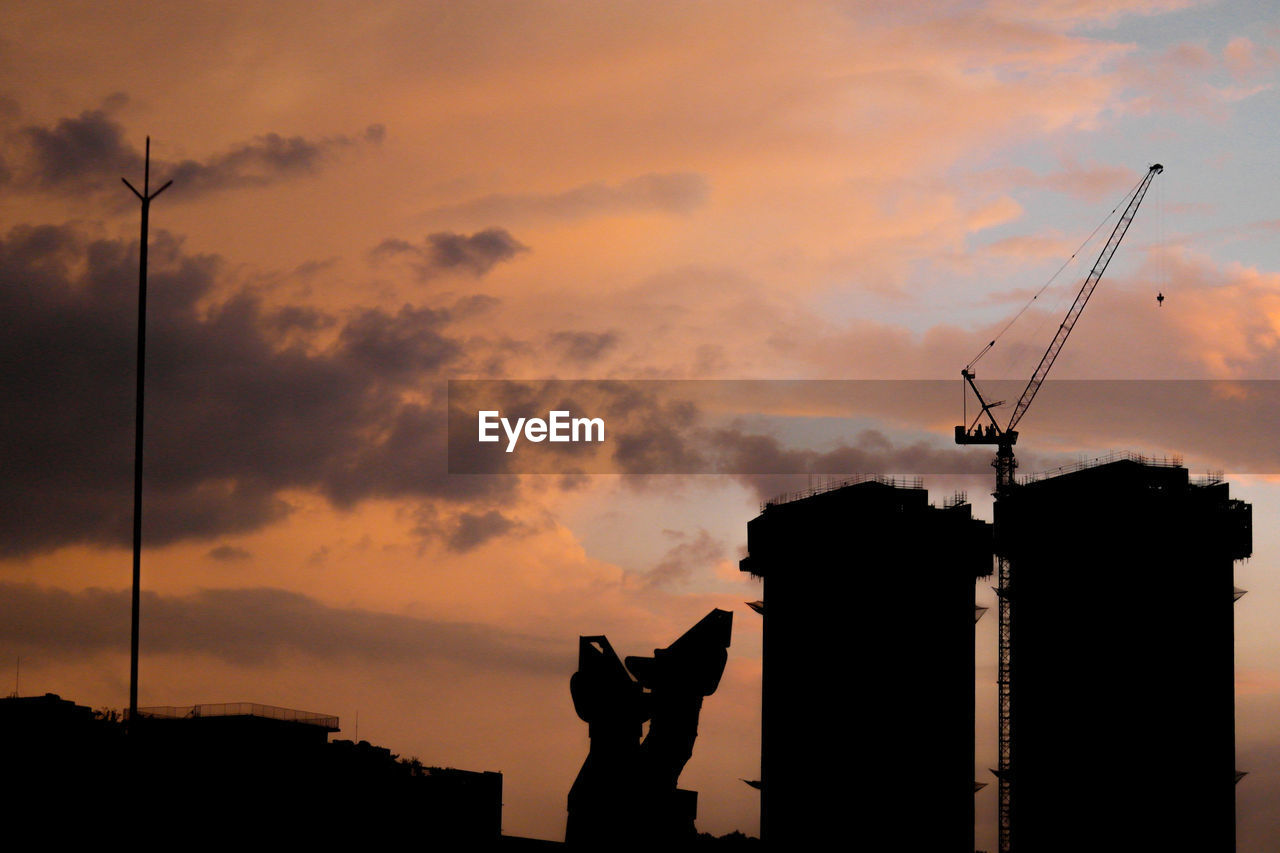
<point>868,666</point>
<point>239,772</point>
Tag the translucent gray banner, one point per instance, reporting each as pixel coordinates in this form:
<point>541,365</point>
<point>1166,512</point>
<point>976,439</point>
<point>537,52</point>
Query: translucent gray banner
<point>571,427</point>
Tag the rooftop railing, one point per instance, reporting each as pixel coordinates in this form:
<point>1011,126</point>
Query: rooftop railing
<point>1174,461</point>
<point>831,485</point>
<point>238,709</point>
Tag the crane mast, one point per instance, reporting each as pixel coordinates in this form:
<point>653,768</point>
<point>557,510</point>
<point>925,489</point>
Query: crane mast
<point>1005,464</point>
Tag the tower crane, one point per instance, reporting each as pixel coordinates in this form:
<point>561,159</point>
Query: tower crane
<point>989,431</point>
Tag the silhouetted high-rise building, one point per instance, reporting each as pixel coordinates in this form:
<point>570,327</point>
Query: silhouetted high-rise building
<point>868,684</point>
<point>1122,658</point>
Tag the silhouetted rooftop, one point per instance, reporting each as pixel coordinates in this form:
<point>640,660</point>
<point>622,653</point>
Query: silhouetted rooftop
<point>1174,461</point>
<point>834,485</point>
<point>239,709</point>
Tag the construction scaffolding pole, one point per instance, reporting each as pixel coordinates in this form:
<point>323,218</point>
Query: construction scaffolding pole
<point>1004,775</point>
<point>1005,464</point>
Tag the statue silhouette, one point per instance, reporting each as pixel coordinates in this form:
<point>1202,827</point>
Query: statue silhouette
<point>625,796</point>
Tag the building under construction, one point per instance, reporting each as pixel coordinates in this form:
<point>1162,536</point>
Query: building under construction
<point>868,666</point>
<point>1122,668</point>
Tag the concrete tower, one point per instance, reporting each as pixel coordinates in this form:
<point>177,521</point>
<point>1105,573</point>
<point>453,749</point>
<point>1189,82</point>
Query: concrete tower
<point>1123,658</point>
<point>868,667</point>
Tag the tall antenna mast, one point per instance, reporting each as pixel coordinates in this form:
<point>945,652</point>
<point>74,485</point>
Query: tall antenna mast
<point>146,197</point>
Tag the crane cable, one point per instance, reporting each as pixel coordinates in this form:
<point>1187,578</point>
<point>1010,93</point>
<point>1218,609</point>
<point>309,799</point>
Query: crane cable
<point>1046,285</point>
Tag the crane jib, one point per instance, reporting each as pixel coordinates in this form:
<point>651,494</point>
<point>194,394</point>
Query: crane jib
<point>993,433</point>
<point>1082,298</point>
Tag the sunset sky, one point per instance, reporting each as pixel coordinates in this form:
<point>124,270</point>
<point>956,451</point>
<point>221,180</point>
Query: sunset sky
<point>372,199</point>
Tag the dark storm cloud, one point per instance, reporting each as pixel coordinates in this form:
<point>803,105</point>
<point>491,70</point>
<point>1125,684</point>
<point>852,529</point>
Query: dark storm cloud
<point>234,416</point>
<point>307,269</point>
<point>660,440</point>
<point>228,554</point>
<point>763,463</point>
<point>262,161</point>
<point>446,251</point>
<point>408,460</point>
<point>475,529</point>
<point>686,557</point>
<point>675,192</point>
<point>254,626</point>
<point>474,305</point>
<point>78,153</point>
<point>300,318</point>
<point>476,253</point>
<point>402,345</point>
<point>584,347</point>
<point>870,450</point>
<point>90,152</point>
